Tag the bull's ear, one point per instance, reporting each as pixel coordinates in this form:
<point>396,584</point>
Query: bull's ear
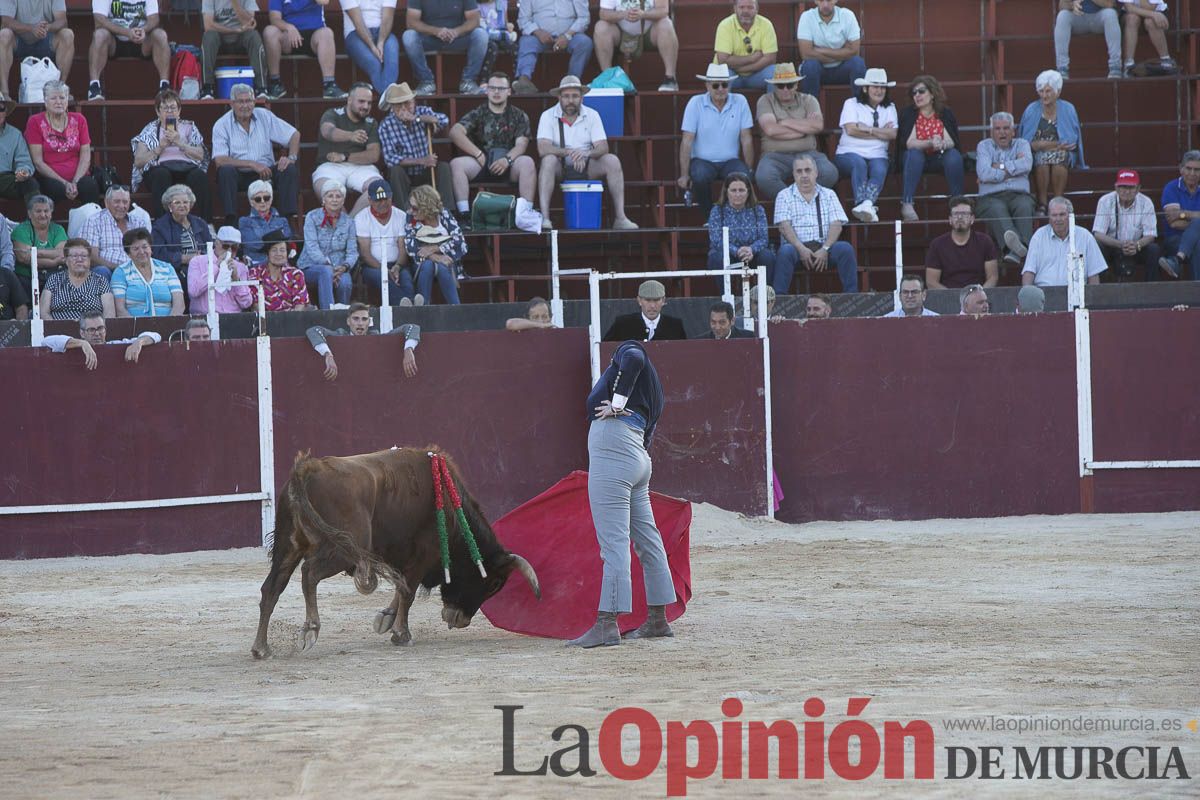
<point>526,569</point>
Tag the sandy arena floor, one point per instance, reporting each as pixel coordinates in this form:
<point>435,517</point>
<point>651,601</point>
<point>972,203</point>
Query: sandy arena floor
<point>131,677</point>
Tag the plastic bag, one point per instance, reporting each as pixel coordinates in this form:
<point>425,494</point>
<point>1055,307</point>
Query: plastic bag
<point>613,78</point>
<point>35,72</point>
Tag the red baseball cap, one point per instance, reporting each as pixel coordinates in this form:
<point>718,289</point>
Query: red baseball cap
<point>1128,177</point>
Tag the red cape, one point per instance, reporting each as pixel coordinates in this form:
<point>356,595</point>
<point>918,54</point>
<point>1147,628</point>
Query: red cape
<point>554,532</point>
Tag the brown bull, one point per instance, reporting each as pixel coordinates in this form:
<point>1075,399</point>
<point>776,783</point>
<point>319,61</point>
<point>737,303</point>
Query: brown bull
<point>373,515</point>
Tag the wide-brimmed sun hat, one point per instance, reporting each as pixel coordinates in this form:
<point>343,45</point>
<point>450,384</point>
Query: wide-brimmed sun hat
<point>875,76</point>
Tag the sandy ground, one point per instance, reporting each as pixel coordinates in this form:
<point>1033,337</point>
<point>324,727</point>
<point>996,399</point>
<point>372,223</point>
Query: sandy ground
<point>131,677</point>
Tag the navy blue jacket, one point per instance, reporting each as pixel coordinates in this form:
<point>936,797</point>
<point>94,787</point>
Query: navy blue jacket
<point>631,374</point>
<point>166,233</point>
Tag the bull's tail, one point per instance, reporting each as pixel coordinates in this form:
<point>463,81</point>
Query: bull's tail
<point>367,566</point>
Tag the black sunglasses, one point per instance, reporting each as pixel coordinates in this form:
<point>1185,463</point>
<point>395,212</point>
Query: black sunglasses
<point>719,84</point>
<point>749,47</point>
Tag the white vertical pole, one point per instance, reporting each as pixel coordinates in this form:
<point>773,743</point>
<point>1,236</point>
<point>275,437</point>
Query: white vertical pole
<point>385,304</point>
<point>1083,391</point>
<point>556,303</point>
<point>594,328</point>
<point>266,434</point>
<point>746,289</point>
<point>766,364</point>
<point>727,295</point>
<point>1075,277</point>
<point>37,326</point>
<point>214,319</point>
<point>899,266</point>
<point>262,309</point>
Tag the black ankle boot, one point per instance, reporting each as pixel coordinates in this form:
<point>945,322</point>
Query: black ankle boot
<point>604,633</point>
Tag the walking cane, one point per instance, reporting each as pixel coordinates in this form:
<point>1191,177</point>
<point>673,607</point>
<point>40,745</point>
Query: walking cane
<point>429,142</point>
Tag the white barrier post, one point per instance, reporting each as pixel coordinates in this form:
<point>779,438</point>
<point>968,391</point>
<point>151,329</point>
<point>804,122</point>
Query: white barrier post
<point>727,295</point>
<point>746,288</point>
<point>266,433</point>
<point>385,305</point>
<point>556,303</point>
<point>214,319</point>
<point>37,326</point>
<point>766,367</point>
<point>899,267</point>
<point>1076,296</point>
<point>594,327</point>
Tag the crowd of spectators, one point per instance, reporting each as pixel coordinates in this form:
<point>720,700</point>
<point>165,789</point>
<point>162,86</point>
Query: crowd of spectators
<point>388,203</point>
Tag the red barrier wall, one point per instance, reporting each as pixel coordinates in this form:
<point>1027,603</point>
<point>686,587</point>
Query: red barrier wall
<point>1146,405</point>
<point>873,418</point>
<point>948,417</point>
<point>509,408</point>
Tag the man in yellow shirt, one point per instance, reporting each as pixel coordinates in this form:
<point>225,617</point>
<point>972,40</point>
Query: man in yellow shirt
<point>746,42</point>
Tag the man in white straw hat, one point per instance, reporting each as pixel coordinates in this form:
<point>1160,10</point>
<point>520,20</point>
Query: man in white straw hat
<point>829,38</point>
<point>406,135</point>
<point>715,125</point>
<point>746,42</point>
<point>790,121</point>
<point>573,145</point>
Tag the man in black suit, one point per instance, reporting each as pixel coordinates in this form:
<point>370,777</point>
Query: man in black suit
<point>720,324</point>
<point>650,324</point>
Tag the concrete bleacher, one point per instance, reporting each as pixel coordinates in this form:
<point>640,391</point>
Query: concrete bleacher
<point>986,54</point>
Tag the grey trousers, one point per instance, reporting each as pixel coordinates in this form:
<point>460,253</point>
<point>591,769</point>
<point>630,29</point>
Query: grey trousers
<point>1005,211</point>
<point>774,173</point>
<point>1104,21</point>
<point>248,42</point>
<point>619,494</point>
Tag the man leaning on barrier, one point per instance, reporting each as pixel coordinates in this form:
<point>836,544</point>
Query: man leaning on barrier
<point>93,332</point>
<point>358,323</point>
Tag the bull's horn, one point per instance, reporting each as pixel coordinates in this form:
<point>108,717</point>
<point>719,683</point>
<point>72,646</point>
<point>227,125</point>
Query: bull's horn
<point>526,569</point>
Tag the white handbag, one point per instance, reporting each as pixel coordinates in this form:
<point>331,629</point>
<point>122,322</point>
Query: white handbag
<point>78,216</point>
<point>35,72</point>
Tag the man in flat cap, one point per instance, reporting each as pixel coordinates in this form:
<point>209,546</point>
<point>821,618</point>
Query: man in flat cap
<point>649,324</point>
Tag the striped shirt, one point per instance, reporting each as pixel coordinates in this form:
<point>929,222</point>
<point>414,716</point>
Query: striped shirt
<point>70,302</point>
<point>144,299</point>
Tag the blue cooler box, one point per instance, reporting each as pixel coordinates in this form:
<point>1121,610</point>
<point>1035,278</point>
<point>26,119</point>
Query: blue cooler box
<point>583,202</point>
<point>228,77</point>
<point>610,105</point>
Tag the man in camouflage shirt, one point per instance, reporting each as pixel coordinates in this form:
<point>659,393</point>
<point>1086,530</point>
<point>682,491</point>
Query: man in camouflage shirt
<point>494,137</point>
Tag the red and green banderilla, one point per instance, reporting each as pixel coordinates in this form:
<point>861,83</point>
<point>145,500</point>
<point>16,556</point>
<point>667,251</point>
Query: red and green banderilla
<point>441,472</point>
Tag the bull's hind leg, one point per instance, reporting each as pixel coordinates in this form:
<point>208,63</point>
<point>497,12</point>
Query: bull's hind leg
<point>313,572</point>
<point>387,616</point>
<point>282,567</point>
<point>400,633</point>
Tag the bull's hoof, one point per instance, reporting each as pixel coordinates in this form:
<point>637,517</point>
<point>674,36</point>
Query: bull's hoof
<point>384,620</point>
<point>261,652</point>
<point>402,639</point>
<point>308,638</point>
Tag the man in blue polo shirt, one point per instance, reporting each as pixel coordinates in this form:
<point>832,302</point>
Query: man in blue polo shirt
<point>1181,213</point>
<point>714,125</point>
<point>829,38</point>
<point>298,26</point>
